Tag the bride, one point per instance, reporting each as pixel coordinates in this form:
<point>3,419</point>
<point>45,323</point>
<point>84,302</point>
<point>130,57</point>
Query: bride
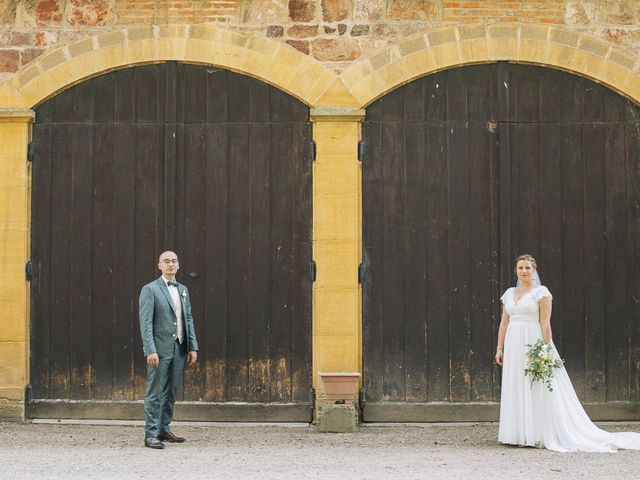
<point>532,415</point>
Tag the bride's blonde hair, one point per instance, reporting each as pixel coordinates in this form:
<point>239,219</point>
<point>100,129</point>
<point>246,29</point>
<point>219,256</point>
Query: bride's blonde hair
<point>528,258</point>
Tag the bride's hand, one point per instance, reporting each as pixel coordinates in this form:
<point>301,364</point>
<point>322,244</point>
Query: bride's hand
<point>499,357</point>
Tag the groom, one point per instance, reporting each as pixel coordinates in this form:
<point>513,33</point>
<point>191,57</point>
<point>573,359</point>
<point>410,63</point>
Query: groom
<point>168,340</point>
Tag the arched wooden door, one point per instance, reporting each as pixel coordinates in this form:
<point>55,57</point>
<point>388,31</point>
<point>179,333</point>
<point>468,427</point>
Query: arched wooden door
<point>212,164</point>
<point>464,170</point>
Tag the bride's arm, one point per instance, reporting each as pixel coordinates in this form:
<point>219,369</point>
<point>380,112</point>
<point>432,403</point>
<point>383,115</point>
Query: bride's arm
<point>501,333</point>
<point>545,319</point>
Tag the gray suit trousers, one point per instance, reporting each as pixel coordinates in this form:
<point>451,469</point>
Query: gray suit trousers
<point>162,384</point>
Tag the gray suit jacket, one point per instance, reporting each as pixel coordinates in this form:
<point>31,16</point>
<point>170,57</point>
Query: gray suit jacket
<point>158,319</point>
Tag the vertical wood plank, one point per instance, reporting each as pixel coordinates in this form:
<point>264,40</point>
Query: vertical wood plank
<point>281,302</point>
<point>615,272</point>
<point>594,254</point>
<point>125,294</point>
<point>217,267</point>
<point>259,369</point>
<point>43,136</point>
<point>102,261</point>
<point>438,282</point>
<point>192,219</point>
<point>372,294</point>
<point>60,291</point>
<point>414,234</point>
<point>393,252</point>
<point>239,296</point>
<point>573,255</point>
<point>301,356</point>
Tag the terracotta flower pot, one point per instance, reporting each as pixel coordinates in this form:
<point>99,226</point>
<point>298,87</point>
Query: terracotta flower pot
<point>340,387</point>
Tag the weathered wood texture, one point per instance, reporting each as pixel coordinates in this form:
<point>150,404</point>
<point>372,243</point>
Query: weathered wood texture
<point>209,163</point>
<point>464,170</point>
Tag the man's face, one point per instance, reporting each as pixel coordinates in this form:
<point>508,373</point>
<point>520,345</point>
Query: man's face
<point>168,264</point>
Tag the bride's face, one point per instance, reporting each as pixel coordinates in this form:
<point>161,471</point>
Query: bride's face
<point>524,270</point>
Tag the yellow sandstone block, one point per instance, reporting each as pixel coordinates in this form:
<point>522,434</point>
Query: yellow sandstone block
<point>337,263</point>
<point>502,48</point>
<point>615,75</point>
<point>13,202</point>
<point>336,177</point>
<point>335,353</point>
<point>199,51</point>
<point>336,311</point>
<point>14,308</point>
<point>13,364</point>
<point>337,94</point>
<point>534,51</point>
<point>447,55</point>
<point>474,51</point>
<point>336,217</point>
<point>172,48</point>
<point>419,64</point>
<point>560,55</point>
<point>356,73</point>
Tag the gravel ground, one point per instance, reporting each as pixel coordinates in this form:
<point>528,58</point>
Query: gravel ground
<point>212,451</point>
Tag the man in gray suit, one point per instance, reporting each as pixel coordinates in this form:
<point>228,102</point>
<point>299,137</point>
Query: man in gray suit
<point>168,340</point>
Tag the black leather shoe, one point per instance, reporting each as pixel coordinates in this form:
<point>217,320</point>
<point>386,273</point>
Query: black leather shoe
<point>170,437</point>
<point>153,442</point>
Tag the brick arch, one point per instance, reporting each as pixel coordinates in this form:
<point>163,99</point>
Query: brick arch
<point>266,59</point>
<point>435,50</point>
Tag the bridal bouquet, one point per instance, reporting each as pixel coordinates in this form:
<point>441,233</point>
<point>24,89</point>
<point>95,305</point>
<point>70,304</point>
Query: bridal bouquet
<point>541,363</point>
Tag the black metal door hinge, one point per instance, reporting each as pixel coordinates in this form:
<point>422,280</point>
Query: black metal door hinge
<point>312,150</point>
<point>361,273</point>
<point>362,400</point>
<point>28,393</point>
<point>28,270</point>
<point>312,397</point>
<point>360,150</point>
<point>312,270</point>
<point>30,152</point>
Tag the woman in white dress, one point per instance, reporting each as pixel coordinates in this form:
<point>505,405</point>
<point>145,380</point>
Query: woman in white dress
<point>533,415</point>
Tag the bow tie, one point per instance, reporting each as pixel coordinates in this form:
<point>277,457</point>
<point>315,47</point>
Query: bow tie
<point>172,284</point>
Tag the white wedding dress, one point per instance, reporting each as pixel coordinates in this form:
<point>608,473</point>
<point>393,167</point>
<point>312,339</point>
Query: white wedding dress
<point>534,416</point>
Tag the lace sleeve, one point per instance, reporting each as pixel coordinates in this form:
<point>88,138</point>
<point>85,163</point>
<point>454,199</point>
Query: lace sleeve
<point>542,292</point>
<point>504,296</point>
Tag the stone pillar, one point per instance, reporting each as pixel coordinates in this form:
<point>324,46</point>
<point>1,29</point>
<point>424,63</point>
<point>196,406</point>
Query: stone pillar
<point>15,198</point>
<point>337,179</point>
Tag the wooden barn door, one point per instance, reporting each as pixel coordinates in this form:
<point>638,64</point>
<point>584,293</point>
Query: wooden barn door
<point>464,170</point>
<point>212,164</point>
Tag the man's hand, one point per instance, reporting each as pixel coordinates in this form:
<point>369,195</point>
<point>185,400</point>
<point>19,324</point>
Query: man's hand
<point>153,360</point>
<point>192,357</point>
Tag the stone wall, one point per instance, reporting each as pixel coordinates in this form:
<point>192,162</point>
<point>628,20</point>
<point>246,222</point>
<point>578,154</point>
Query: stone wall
<point>335,32</point>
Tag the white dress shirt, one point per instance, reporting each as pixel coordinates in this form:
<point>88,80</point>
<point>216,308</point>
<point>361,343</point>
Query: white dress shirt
<point>177,307</point>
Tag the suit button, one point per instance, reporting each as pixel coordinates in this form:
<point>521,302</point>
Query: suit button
<point>174,323</point>
<point>174,335</point>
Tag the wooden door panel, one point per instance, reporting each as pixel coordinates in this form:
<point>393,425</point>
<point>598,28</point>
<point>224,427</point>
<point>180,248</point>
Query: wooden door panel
<point>466,169</point>
<point>207,162</point>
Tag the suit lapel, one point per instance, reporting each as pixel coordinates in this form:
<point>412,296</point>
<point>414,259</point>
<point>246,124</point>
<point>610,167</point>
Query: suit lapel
<point>165,290</point>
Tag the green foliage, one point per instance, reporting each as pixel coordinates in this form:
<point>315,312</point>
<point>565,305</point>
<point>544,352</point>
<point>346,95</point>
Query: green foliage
<point>541,363</point>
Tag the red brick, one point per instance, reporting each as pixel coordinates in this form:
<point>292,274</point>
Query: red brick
<point>9,61</point>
